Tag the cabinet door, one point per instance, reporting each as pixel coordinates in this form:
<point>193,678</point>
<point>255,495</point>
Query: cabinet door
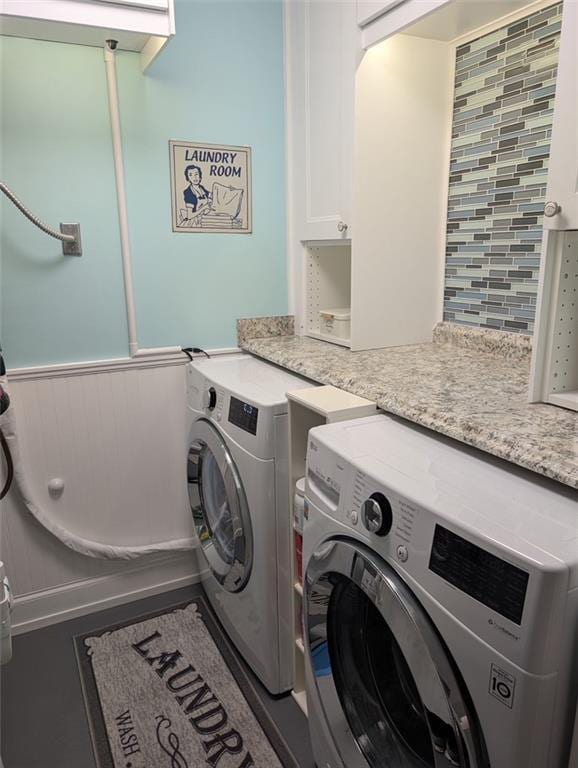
<point>561,210</point>
<point>321,52</point>
<point>403,103</point>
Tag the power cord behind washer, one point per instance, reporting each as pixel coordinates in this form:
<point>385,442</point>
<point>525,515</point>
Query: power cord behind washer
<point>189,351</point>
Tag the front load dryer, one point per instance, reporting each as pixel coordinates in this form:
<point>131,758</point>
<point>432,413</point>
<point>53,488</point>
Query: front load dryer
<point>237,469</point>
<point>441,604</point>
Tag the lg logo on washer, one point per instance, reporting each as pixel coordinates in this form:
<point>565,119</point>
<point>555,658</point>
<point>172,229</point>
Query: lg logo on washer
<point>502,686</point>
<point>501,628</point>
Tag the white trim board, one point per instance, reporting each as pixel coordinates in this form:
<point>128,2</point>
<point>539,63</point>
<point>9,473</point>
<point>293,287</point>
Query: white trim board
<point>292,264</point>
<point>51,606</point>
<point>151,358</point>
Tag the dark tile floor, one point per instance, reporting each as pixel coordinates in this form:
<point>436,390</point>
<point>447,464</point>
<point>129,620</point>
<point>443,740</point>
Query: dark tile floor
<point>43,719</point>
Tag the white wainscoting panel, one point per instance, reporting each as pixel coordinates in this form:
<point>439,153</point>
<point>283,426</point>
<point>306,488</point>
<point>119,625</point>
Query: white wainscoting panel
<point>118,441</point>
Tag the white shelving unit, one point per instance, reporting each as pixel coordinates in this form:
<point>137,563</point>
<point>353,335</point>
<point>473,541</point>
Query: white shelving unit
<point>310,408</point>
<point>394,259</point>
<point>328,286</point>
<point>396,136</point>
<point>554,377</point>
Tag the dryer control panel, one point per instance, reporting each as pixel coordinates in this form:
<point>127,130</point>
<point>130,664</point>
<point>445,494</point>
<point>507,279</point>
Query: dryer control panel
<point>243,415</point>
<point>491,580</point>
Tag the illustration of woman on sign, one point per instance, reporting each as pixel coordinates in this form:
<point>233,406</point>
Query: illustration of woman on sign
<point>197,197</point>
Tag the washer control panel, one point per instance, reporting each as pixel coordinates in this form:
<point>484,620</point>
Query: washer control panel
<point>381,511</point>
<point>354,495</point>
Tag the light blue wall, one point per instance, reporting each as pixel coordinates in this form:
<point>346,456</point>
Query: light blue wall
<point>56,156</point>
<point>219,81</point>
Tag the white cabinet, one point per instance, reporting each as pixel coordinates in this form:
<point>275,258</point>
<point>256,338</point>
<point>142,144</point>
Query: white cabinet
<point>391,272</point>
<point>393,256</point>
<point>368,10</point>
<point>137,25</point>
<point>321,48</point>
<point>561,211</point>
<point>380,19</point>
<point>402,148</point>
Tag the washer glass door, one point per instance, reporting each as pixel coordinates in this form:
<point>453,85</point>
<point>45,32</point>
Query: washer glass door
<point>390,695</point>
<point>219,507</point>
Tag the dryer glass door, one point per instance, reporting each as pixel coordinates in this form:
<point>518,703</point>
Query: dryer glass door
<point>385,683</point>
<point>219,507</point>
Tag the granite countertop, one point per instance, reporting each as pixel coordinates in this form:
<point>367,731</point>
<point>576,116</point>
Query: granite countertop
<point>473,392</point>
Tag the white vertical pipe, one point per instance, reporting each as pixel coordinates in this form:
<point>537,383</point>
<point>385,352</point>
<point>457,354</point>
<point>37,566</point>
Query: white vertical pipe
<point>110,64</point>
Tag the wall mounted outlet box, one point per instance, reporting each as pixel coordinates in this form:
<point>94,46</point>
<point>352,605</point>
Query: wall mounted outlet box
<point>71,247</point>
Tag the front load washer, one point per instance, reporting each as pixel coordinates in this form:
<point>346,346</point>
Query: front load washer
<point>239,494</point>
<point>441,604</point>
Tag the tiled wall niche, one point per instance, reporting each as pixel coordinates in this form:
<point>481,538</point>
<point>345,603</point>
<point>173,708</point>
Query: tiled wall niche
<point>503,104</point>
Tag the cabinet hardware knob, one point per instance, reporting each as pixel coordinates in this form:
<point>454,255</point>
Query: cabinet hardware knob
<point>342,226</point>
<point>551,209</point>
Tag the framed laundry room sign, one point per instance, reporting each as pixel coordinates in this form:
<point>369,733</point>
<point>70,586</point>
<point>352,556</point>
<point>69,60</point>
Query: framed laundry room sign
<point>210,188</point>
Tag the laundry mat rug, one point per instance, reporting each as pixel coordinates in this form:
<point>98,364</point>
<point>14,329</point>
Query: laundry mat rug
<point>165,693</point>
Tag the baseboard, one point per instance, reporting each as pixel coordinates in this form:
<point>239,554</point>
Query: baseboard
<point>141,579</point>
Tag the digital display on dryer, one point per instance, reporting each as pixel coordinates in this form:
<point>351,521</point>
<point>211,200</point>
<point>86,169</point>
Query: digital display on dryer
<point>243,415</point>
<point>492,581</point>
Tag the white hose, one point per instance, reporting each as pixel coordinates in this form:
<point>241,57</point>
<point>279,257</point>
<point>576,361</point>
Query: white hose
<point>68,538</point>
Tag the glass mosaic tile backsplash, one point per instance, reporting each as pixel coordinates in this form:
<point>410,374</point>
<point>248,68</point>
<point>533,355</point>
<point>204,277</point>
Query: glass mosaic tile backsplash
<point>503,104</point>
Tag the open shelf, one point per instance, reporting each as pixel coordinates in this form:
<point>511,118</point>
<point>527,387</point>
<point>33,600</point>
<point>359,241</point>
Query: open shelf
<point>564,345</point>
<point>328,276</point>
<point>565,399</point>
<point>310,408</point>
<point>555,358</point>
